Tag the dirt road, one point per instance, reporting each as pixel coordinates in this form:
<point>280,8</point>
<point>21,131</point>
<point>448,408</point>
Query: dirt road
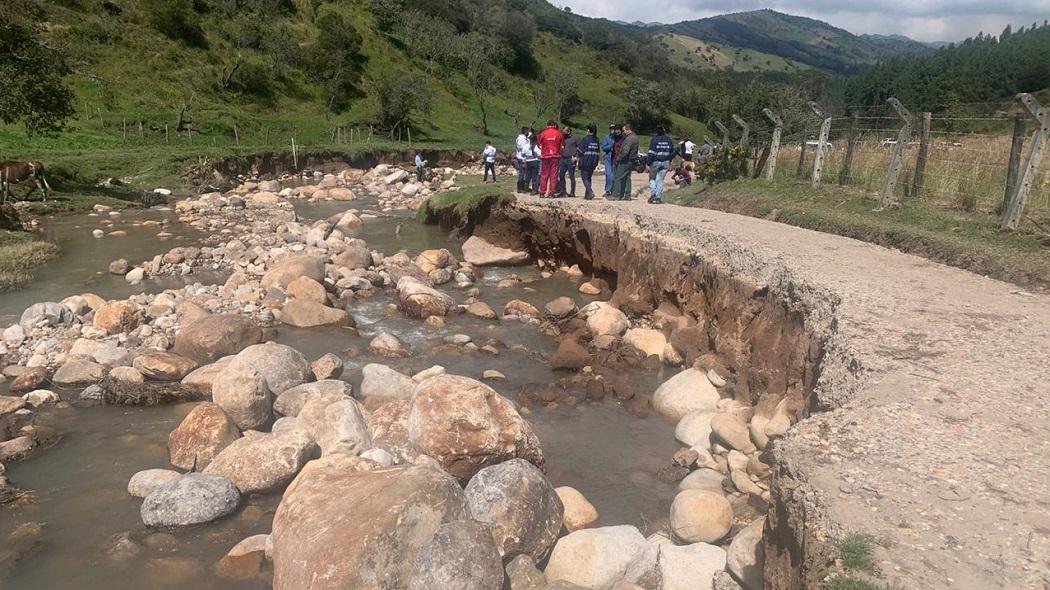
<point>936,434</point>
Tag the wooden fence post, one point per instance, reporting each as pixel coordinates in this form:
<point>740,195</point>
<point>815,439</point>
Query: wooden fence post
<point>124,123</point>
<point>802,153</point>
<point>140,129</point>
<point>295,156</point>
<point>924,153</point>
<point>166,139</point>
<point>236,136</point>
<point>851,146</point>
<point>889,190</point>
<point>1013,167</point>
<point>822,145</point>
<point>745,130</point>
<point>725,134</point>
<point>774,144</point>
<point>1014,210</point>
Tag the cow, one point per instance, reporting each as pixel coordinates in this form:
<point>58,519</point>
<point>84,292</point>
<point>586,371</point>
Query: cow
<point>16,172</point>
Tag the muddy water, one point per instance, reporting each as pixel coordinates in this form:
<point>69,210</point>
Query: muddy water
<point>81,267</point>
<point>80,483</point>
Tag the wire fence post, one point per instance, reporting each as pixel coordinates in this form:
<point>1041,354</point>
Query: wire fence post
<point>822,145</point>
<point>851,147</point>
<point>745,132</point>
<point>1014,209</point>
<point>1013,166</point>
<point>924,153</point>
<point>774,143</point>
<point>889,190</point>
<point>725,134</point>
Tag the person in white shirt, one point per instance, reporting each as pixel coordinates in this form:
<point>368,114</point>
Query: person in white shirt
<point>523,150</point>
<point>488,156</point>
<point>421,168</point>
<point>688,147</point>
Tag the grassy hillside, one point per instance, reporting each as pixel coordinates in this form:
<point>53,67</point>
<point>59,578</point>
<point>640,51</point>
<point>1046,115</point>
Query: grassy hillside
<point>249,86</point>
<point>795,38</point>
<point>694,53</point>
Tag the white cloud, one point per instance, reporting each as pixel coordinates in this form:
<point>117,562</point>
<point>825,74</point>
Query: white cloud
<point>925,20</point>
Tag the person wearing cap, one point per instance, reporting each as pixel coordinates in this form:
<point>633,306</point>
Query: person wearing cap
<point>661,153</point>
<point>590,154</point>
<point>610,170</point>
<point>567,166</point>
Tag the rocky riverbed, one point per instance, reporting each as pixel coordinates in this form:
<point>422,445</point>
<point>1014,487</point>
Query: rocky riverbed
<point>378,419</point>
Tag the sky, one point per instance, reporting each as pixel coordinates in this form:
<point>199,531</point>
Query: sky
<point>923,20</point>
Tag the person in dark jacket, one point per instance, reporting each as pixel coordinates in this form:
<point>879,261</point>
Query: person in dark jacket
<point>610,169</point>
<point>626,154</point>
<point>567,165</point>
<point>590,154</point>
<point>661,153</point>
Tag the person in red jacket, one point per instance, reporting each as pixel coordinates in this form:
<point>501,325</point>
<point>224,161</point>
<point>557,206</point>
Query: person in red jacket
<point>551,143</point>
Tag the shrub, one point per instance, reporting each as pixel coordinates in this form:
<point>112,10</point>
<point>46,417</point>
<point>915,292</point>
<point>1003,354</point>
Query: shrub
<point>177,20</point>
<point>397,99</point>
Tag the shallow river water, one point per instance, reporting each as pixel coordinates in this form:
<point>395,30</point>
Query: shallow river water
<point>80,503</point>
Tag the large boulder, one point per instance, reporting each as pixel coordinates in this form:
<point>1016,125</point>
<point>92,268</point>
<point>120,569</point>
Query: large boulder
<point>466,426</point>
<point>460,556</point>
<point>479,252</point>
<point>700,516</point>
<point>383,382</point>
<point>290,268</point>
<point>283,367</point>
<point>419,300</point>
<point>694,429</point>
<point>732,431</point>
<point>688,391</point>
<point>194,498</point>
<point>263,462</point>
<point>338,528</point>
<point>164,366</point>
<point>337,424</point>
<point>599,558</point>
<point>650,342</point>
<point>520,504</point>
<point>579,512</point>
<point>302,313</point>
<point>78,371</point>
<point>208,339</point>
<point>117,317</point>
<point>147,480</point>
<point>202,378</point>
<point>747,556</point>
<point>291,402</point>
<point>606,320</point>
<point>430,260</point>
<point>690,567</point>
<point>47,313</point>
<point>389,424</point>
<point>354,257</point>
<point>307,289</point>
<point>202,435</point>
<point>242,393</point>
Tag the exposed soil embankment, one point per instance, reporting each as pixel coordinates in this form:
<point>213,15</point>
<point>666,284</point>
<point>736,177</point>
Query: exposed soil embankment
<point>272,164</point>
<point>924,385</point>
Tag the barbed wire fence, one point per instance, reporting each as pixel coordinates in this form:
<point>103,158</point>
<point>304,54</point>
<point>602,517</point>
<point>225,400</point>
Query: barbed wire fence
<point>975,158</point>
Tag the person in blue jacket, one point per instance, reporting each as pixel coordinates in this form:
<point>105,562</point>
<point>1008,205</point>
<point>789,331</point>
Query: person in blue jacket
<point>610,170</point>
<point>661,153</point>
<point>590,154</point>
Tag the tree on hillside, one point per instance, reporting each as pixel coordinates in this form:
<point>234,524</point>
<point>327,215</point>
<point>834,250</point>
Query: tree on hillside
<point>564,87</point>
<point>482,57</point>
<point>177,20</point>
<point>335,59</point>
<point>398,98</point>
<point>33,71</point>
<point>431,39</point>
<point>646,106</point>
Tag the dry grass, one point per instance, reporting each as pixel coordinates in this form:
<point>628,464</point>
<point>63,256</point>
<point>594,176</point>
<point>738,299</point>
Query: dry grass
<point>965,172</point>
<point>19,253</point>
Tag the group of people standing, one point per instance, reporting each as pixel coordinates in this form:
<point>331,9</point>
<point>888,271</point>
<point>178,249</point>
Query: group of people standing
<point>547,162</point>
